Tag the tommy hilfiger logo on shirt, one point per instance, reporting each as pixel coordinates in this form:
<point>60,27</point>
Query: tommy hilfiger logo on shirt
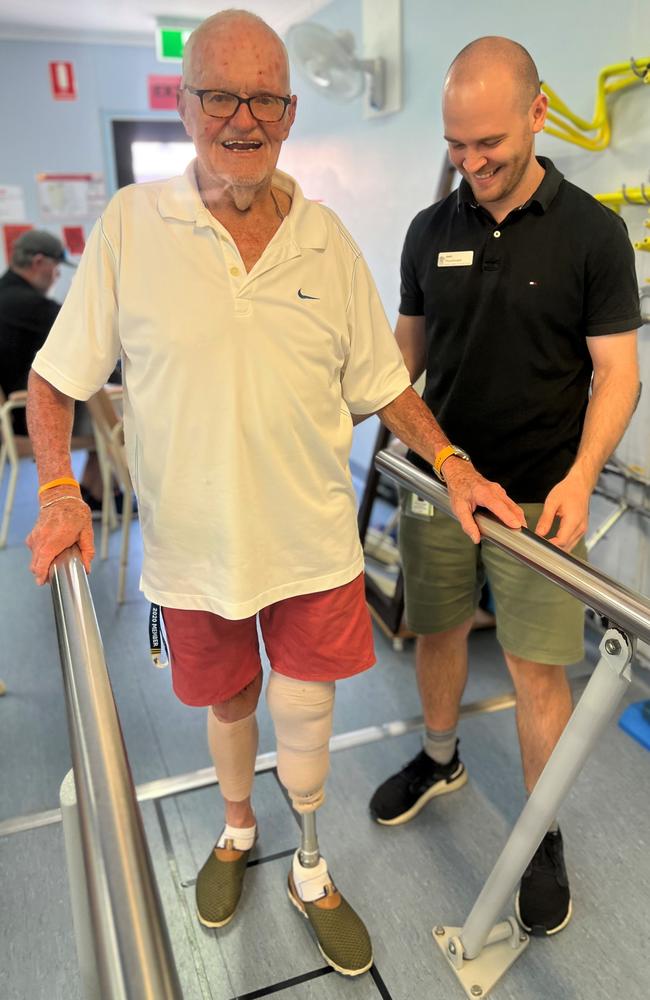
<point>301,295</point>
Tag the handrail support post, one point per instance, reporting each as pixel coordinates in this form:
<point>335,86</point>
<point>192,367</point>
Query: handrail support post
<point>482,950</point>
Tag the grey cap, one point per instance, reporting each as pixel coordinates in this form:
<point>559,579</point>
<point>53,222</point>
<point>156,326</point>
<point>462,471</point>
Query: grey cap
<point>39,241</point>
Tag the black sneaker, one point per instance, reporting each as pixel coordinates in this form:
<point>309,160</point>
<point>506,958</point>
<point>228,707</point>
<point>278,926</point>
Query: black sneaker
<point>402,796</point>
<point>543,903</point>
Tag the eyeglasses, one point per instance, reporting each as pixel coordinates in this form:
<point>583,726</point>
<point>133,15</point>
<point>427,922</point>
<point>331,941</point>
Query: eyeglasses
<point>221,104</point>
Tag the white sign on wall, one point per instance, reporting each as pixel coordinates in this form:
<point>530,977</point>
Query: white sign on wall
<point>12,203</point>
<point>64,197</point>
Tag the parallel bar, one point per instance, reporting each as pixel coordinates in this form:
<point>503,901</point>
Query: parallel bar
<point>619,604</point>
<point>133,949</point>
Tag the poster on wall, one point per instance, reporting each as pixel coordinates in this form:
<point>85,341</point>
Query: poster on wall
<point>70,196</point>
<point>12,203</point>
<point>73,240</point>
<point>11,234</point>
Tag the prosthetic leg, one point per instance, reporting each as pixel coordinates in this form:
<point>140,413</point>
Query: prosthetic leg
<point>302,715</point>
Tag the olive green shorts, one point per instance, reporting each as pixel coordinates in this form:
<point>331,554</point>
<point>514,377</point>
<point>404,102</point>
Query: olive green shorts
<point>444,573</point>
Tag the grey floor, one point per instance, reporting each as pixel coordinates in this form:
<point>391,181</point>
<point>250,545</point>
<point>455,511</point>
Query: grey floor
<point>403,881</point>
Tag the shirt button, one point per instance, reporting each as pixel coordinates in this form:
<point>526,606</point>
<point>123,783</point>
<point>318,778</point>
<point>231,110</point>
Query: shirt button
<point>235,272</point>
<point>496,234</point>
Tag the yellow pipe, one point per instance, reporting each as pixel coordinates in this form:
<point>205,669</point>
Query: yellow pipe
<point>643,244</point>
<point>632,196</point>
<point>560,123</point>
<point>600,108</point>
<point>559,112</point>
<point>601,141</point>
<point>555,103</point>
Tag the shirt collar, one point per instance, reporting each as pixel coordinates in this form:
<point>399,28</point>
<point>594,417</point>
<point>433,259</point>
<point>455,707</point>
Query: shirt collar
<point>542,197</point>
<point>179,198</point>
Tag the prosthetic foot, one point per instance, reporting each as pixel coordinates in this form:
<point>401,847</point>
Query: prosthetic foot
<point>340,933</point>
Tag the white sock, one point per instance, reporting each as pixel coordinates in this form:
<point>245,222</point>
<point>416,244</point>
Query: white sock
<point>440,746</point>
<point>243,838</point>
<point>310,882</point>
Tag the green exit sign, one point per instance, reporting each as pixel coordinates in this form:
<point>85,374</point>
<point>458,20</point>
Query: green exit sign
<point>171,37</point>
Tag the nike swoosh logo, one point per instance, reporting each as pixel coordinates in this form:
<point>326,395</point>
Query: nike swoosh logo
<point>301,295</point>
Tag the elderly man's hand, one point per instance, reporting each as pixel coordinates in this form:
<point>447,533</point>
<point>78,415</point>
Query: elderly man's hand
<point>67,522</point>
<point>469,490</point>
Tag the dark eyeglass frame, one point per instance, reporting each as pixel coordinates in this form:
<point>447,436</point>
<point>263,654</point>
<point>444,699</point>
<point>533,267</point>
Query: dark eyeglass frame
<point>240,100</point>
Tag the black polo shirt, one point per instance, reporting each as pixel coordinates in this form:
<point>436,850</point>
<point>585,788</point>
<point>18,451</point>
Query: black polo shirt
<point>508,308</point>
<point>26,316</point>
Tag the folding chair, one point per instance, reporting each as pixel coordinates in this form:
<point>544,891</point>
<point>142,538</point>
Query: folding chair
<point>109,435</point>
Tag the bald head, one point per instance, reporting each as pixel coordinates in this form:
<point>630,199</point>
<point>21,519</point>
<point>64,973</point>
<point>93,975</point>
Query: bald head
<point>495,63</point>
<point>226,31</point>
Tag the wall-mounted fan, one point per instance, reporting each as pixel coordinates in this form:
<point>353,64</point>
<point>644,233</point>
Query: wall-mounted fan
<point>328,61</point>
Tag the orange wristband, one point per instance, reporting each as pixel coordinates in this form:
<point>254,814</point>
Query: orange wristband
<point>63,481</point>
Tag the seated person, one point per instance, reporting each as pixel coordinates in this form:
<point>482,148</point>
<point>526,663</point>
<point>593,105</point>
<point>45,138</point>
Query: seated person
<point>26,315</point>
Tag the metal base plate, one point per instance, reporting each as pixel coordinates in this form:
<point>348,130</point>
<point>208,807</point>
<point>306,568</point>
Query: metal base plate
<point>479,975</point>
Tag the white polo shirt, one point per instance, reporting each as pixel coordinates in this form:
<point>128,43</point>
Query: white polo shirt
<point>238,390</point>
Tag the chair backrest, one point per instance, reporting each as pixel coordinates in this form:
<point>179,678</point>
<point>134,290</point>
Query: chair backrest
<point>107,425</point>
<point>19,445</point>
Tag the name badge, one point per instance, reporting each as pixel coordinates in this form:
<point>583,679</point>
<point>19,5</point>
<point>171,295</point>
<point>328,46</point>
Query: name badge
<point>422,507</point>
<point>455,258</point>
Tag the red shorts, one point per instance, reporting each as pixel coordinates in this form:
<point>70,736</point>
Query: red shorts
<point>312,637</point>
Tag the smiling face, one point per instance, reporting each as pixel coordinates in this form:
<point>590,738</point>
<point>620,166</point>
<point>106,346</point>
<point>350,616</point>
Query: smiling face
<point>490,134</point>
<point>242,56</point>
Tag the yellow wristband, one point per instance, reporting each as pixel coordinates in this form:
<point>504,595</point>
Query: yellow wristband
<point>63,481</point>
<point>442,455</point>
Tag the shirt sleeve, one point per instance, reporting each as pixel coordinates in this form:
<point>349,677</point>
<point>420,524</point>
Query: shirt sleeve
<point>412,298</point>
<point>374,373</point>
<point>83,346</point>
<point>611,285</point>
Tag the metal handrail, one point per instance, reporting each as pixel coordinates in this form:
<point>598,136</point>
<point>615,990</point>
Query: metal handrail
<point>620,605</point>
<point>132,945</point>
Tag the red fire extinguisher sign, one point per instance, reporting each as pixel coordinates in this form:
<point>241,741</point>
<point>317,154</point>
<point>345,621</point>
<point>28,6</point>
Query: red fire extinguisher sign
<point>62,81</point>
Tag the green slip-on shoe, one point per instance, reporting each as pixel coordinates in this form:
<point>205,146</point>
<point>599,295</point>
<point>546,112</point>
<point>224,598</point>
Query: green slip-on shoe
<point>341,935</point>
<point>219,885</point>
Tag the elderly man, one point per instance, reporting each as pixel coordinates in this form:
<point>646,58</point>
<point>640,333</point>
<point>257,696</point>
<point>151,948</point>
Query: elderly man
<point>26,317</point>
<point>516,290</point>
<point>250,331</point>
<point>26,313</point>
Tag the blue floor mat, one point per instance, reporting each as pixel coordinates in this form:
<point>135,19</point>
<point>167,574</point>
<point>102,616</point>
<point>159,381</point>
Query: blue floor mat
<point>635,720</point>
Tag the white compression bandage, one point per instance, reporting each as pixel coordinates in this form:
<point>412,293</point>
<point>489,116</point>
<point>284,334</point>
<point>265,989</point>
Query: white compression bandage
<point>233,746</point>
<point>302,714</point>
